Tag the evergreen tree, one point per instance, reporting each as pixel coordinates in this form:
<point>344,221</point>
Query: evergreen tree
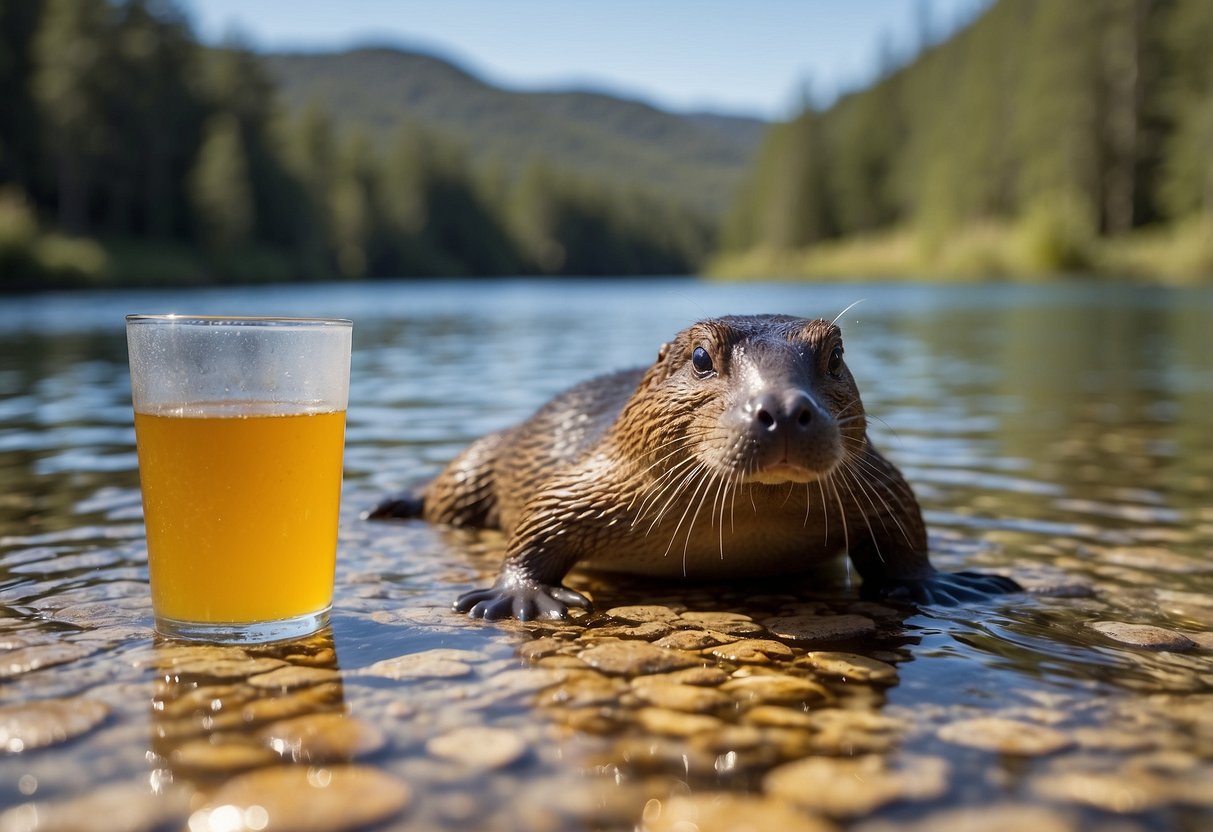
<point>1185,187</point>
<point>72,85</point>
<point>19,135</point>
<point>219,187</point>
<point>352,207</point>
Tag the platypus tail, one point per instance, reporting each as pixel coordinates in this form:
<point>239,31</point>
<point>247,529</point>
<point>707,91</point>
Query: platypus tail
<point>406,505</point>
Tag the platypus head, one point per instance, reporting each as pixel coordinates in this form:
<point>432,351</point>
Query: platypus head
<point>758,398</point>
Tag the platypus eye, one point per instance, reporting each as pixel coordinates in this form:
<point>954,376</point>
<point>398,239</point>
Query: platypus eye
<point>835,361</point>
<point>701,361</point>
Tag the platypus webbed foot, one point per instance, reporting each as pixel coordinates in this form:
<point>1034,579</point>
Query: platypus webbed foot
<point>522,599</point>
<point>948,588</point>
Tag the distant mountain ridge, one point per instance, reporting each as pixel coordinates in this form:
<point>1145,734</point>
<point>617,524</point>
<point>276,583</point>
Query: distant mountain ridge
<point>698,159</point>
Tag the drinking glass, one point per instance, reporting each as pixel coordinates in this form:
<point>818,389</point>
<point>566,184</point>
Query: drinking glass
<point>240,427</point>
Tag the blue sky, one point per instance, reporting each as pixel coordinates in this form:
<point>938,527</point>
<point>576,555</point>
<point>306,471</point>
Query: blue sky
<point>751,57</point>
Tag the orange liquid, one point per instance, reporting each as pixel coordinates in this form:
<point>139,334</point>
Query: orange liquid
<point>241,513</point>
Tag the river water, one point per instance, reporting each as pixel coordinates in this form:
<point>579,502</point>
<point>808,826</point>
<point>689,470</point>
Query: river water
<point>1062,434</point>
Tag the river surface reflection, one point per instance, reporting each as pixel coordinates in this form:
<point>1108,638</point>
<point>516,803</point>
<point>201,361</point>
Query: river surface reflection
<point>1059,433</point>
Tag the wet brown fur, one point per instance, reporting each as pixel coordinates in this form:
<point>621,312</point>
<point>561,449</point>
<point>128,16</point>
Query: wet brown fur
<point>633,471</point>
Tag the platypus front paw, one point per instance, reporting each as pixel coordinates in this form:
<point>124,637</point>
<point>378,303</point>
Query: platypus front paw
<point>520,599</point>
<point>949,588</point>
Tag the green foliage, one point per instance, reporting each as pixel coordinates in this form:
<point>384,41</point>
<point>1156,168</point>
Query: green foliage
<point>1056,234</point>
<point>117,126</point>
<point>220,192</point>
<point>1022,144</point>
<point>30,258</point>
<point>692,160</point>
<point>1186,185</point>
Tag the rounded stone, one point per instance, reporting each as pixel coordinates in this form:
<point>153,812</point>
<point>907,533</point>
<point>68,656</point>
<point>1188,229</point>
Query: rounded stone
<point>635,658</point>
<point>852,666</point>
<point>204,755</point>
<point>775,690</point>
<point>46,722</point>
<point>687,698</point>
<point>752,651</point>
<point>482,748</point>
<point>291,677</point>
<point>725,812</point>
<point>775,716</point>
<point>525,680</point>
<point>706,677</point>
<point>303,799</point>
<point>273,708</point>
<point>583,690</point>
<point>997,818</point>
<point>439,663</point>
<point>124,807</point>
<point>25,659</point>
<point>694,640</point>
<point>212,662</point>
<point>730,623</point>
<point>711,618</point>
<point>1108,791</point>
<point>541,648</point>
<point>641,614</point>
<point>676,723</point>
<point>648,631</point>
<point>1005,736</point>
<point>855,786</point>
<point>322,738</point>
<point>1142,635</point>
<point>814,628</point>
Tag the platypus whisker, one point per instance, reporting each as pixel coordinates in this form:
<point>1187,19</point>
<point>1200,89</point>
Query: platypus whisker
<point>865,471</point>
<point>864,515</point>
<point>663,485</point>
<point>848,309</point>
<point>842,512</point>
<point>608,469</point>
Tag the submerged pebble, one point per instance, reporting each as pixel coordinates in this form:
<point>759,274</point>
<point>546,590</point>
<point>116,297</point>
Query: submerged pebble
<point>641,614</point>
<point>203,755</point>
<point>1004,817</point>
<point>1143,635</point>
<point>812,628</point>
<point>15,662</point>
<point>727,812</point>
<point>688,698</point>
<point>323,738</point>
<point>752,651</point>
<point>852,667</point>
<point>117,807</point>
<point>291,676</point>
<point>1006,736</point>
<point>45,722</point>
<point>775,690</point>
<point>852,787</point>
<point>479,747</point>
<point>635,658</point>
<point>676,723</point>
<point>303,799</point>
<point>428,664</point>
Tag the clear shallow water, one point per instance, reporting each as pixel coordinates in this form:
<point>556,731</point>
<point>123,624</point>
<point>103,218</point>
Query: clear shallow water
<point>1061,434</point>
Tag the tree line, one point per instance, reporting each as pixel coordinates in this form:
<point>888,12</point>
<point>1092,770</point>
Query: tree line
<point>1072,123</point>
<point>131,153</point>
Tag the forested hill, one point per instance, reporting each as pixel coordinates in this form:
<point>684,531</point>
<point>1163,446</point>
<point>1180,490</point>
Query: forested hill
<point>697,160</point>
<point>130,153</point>
<point>1046,136</point>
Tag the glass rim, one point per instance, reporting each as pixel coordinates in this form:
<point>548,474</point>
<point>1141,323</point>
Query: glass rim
<point>236,320</point>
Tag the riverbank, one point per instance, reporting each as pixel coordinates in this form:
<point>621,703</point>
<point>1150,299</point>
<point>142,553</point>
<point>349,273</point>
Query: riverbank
<point>1034,250</point>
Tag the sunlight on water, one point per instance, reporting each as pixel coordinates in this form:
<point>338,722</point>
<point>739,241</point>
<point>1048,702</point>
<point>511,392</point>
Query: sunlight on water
<point>1059,434</point>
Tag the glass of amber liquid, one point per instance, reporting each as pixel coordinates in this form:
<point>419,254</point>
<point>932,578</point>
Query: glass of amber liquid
<point>240,427</point>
